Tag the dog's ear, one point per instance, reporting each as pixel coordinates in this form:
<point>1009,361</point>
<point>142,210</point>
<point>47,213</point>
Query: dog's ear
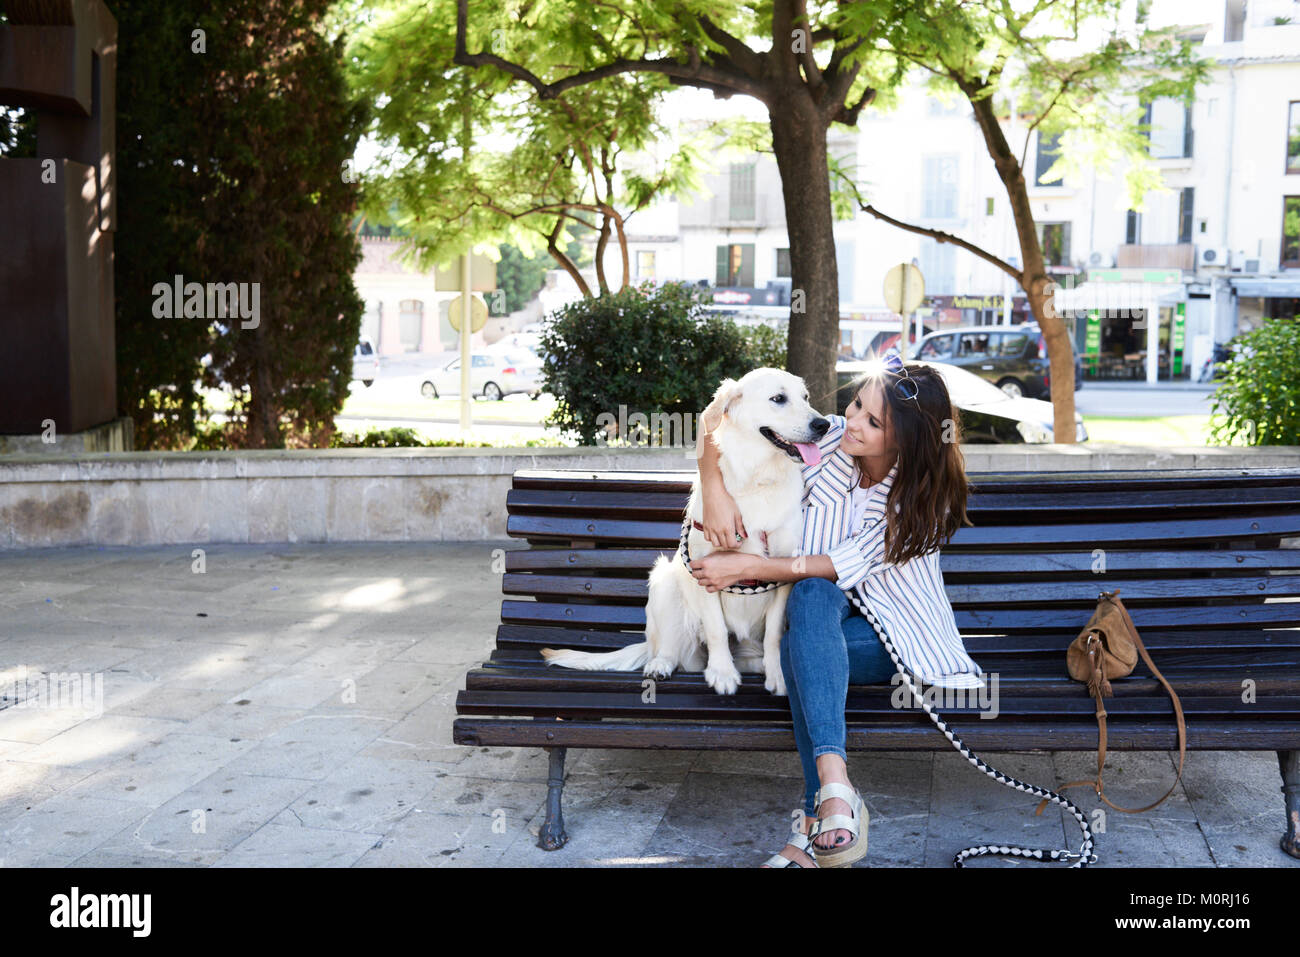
<point>728,393</point>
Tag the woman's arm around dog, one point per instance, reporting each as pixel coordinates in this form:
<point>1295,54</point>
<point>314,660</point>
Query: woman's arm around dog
<point>723,526</point>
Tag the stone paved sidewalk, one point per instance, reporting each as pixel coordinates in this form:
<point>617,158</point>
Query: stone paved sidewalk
<point>292,705</point>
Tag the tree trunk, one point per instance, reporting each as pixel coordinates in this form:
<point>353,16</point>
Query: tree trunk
<point>564,261</point>
<point>799,141</point>
<point>1033,277</point>
<point>263,414</point>
<point>601,243</point>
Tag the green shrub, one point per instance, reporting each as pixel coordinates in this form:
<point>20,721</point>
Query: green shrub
<point>766,345</point>
<point>654,351</point>
<point>1259,393</point>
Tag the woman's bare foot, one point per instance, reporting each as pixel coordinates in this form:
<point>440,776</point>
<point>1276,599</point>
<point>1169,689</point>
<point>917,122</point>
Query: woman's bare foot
<point>832,769</point>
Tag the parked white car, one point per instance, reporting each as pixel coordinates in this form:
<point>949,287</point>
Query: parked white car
<point>365,362</point>
<point>493,375</point>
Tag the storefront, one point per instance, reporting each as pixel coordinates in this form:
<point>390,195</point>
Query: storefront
<point>958,311</point>
<point>1137,324</point>
<point>1266,297</point>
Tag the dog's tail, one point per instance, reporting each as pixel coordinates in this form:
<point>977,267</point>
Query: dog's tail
<point>631,658</point>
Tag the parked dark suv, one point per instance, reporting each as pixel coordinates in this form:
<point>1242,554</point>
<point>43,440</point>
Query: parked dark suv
<point>1013,358</point>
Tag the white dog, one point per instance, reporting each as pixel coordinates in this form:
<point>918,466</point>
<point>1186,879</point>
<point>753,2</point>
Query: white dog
<point>767,433</point>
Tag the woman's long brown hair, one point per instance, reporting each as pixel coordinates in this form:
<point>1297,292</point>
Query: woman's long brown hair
<point>930,487</point>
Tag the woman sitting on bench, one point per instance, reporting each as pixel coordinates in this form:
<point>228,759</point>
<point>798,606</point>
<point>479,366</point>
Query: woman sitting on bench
<point>896,450</point>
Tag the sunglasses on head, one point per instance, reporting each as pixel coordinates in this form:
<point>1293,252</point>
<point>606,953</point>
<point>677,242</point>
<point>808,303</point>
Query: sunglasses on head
<point>904,385</point>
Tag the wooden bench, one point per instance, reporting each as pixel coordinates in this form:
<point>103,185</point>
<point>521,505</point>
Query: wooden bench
<point>1196,555</point>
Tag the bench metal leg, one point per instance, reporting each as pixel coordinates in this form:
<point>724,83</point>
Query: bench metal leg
<point>552,836</point>
<point>1289,762</point>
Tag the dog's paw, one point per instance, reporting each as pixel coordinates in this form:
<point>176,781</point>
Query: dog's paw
<point>724,679</point>
<point>774,680</point>
<point>658,668</point>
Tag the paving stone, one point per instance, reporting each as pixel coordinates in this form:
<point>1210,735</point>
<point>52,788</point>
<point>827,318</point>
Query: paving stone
<point>206,820</point>
<point>275,845</point>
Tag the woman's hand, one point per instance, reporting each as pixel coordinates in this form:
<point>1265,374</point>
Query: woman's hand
<point>719,569</point>
<point>723,526</point>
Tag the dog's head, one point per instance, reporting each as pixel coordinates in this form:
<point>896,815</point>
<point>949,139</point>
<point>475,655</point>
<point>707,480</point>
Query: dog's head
<point>773,404</point>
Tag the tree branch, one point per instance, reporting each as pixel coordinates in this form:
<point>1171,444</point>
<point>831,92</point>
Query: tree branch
<point>812,73</point>
<point>724,78</point>
<point>745,59</point>
<point>567,264</point>
<point>940,236</point>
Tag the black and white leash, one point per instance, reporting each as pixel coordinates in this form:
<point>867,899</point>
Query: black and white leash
<point>737,589</point>
<point>1083,858</point>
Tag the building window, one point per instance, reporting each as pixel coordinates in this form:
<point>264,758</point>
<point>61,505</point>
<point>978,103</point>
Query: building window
<point>845,255</point>
<point>939,185</point>
<point>1185,205</point>
<point>1049,148</point>
<point>736,265</point>
<point>1133,228</point>
<point>410,318</point>
<point>1169,131</point>
<point>645,264</point>
<point>1055,240</point>
<point>938,262</point>
<point>742,193</point>
<point>1293,138</point>
<point>1291,231</point>
<point>783,264</point>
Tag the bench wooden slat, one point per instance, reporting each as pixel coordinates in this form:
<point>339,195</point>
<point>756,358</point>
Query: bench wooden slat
<point>622,561</point>
<point>1004,594</point>
<point>1175,663</point>
<point>679,480</point>
<point>519,639</point>
<point>507,675</point>
<point>982,736</point>
<point>983,507</point>
<point>663,534</point>
<point>982,621</point>
<point>859,706</point>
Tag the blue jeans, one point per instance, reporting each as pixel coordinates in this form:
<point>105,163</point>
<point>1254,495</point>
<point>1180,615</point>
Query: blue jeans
<point>828,645</point>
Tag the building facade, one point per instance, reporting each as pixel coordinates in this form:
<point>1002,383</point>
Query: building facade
<point>1147,293</point>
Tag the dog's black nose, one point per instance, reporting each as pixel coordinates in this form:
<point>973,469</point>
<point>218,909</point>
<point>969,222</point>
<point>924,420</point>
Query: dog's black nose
<point>819,426</point>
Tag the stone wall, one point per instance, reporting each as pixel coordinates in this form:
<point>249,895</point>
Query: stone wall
<point>153,498</point>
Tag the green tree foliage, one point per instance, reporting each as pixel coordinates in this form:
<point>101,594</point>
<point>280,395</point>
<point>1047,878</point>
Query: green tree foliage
<point>654,351</point>
<point>1258,392</point>
<point>520,277</point>
<point>232,147</point>
<point>1081,70</point>
<point>540,172</point>
<point>766,345</point>
<point>161,193</point>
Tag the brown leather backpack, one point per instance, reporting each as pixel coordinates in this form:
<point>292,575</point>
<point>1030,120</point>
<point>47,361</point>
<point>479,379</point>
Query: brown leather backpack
<point>1106,648</point>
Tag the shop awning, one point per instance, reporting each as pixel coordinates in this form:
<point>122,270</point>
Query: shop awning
<point>1279,288</point>
<point>1116,295</point>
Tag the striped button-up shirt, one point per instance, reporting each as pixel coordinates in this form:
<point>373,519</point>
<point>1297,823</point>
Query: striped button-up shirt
<point>908,599</point>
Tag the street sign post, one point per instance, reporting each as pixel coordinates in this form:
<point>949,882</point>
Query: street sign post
<point>904,290</point>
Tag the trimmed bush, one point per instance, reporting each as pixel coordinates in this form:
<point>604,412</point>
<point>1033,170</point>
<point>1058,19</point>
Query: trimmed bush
<point>653,351</point>
<point>1259,393</point>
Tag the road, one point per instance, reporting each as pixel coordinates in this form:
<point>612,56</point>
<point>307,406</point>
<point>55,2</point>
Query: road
<point>394,400</point>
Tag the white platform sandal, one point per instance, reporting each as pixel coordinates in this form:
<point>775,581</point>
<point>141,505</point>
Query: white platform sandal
<point>799,841</point>
<point>842,855</point>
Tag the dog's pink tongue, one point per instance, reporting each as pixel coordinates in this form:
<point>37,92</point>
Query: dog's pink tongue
<point>810,453</point>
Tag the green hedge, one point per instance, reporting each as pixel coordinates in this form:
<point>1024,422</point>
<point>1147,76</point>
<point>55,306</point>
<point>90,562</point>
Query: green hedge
<point>653,351</point>
<point>1258,395</point>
